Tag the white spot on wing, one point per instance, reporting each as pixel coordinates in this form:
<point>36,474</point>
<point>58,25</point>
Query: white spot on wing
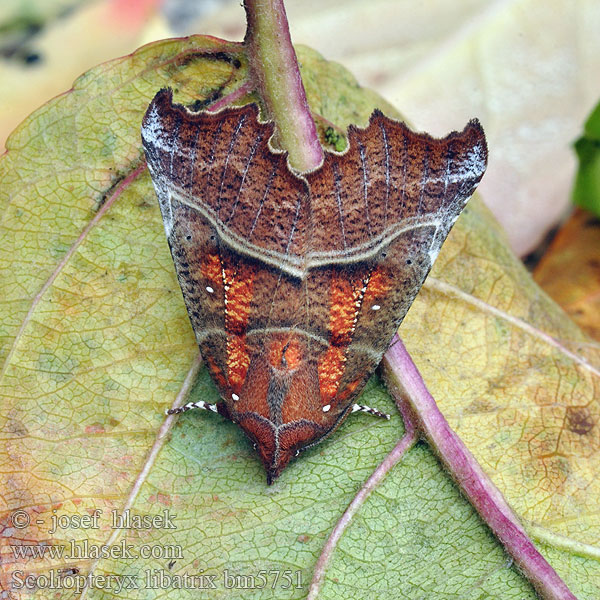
<point>327,408</point>
<point>209,289</point>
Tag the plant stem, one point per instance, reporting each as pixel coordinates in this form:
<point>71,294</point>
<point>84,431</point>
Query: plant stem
<point>400,371</point>
<point>407,441</point>
<point>274,68</point>
<point>238,93</point>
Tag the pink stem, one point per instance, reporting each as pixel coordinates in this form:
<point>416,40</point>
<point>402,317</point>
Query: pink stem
<point>238,93</point>
<point>276,74</point>
<point>393,458</point>
<point>399,369</point>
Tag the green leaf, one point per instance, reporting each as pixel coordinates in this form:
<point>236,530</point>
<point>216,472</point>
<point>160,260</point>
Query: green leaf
<point>95,344</point>
<point>587,183</point>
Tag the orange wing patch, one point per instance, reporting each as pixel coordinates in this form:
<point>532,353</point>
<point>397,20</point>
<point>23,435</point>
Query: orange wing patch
<point>237,286</point>
<point>238,361</point>
<point>330,367</point>
<point>215,371</point>
<point>346,300</point>
<point>349,389</point>
<point>211,270</point>
<point>286,353</point>
<point>377,286</point>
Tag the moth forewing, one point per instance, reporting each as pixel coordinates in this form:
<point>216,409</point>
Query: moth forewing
<point>295,285</point>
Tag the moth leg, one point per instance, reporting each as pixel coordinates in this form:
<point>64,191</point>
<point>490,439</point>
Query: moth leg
<point>368,409</point>
<point>190,405</point>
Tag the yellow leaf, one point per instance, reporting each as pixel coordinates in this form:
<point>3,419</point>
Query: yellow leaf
<point>516,379</point>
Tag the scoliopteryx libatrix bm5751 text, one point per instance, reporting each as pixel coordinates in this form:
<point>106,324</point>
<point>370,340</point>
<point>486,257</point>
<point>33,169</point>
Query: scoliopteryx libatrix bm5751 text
<point>295,284</point>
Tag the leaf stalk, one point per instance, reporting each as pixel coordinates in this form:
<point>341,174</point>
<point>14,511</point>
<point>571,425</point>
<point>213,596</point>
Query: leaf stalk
<point>275,71</point>
<point>407,441</point>
<point>402,377</point>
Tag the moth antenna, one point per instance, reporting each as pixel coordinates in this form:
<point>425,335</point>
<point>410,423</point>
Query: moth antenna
<point>190,405</point>
<point>369,410</point>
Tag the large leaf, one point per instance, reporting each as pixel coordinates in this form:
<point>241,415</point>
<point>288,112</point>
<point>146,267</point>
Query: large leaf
<point>95,344</point>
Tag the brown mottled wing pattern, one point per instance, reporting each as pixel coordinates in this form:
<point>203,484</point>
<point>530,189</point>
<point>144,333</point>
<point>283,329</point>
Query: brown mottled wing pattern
<point>383,210</point>
<point>284,275</point>
<point>235,217</point>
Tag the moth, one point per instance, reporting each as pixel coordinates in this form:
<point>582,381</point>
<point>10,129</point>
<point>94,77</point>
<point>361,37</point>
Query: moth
<point>296,283</point>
